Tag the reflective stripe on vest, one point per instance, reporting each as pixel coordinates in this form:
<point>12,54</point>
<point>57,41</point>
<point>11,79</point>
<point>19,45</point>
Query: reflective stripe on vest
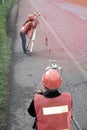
<point>55,110</point>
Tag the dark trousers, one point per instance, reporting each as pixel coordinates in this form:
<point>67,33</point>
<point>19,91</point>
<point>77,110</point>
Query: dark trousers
<point>23,38</point>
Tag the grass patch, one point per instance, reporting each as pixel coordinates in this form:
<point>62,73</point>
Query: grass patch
<point>5,55</point>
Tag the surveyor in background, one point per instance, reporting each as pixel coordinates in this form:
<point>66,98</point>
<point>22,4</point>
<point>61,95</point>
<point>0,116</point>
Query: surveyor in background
<point>27,29</point>
<point>51,108</point>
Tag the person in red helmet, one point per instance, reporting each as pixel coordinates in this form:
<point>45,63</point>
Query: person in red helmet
<point>51,108</point>
<point>27,29</point>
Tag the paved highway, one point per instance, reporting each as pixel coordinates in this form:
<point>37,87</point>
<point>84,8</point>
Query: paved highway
<point>65,26</point>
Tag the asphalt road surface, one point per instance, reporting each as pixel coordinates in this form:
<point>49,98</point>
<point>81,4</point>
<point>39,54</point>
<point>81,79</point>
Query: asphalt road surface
<point>65,26</point>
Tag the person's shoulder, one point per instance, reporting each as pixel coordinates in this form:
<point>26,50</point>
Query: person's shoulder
<point>38,94</point>
<point>66,94</point>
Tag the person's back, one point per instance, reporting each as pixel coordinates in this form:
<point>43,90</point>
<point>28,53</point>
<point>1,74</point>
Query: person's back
<point>53,113</point>
<point>52,109</point>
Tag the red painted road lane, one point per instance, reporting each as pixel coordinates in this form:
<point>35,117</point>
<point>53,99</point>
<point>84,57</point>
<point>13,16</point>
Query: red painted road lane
<point>69,23</point>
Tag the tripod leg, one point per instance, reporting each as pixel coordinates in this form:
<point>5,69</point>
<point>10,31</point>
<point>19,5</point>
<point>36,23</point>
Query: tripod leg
<point>76,123</point>
<point>33,40</point>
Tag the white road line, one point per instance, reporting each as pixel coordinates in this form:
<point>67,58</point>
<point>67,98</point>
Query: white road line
<point>82,17</point>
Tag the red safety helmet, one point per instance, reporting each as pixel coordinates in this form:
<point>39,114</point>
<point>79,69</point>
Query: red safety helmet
<point>31,16</point>
<point>51,79</point>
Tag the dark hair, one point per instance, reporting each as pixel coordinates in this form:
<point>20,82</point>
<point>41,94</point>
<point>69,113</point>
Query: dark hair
<point>27,21</point>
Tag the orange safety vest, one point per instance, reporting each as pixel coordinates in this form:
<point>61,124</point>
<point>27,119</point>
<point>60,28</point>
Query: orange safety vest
<point>53,113</point>
<point>27,29</point>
